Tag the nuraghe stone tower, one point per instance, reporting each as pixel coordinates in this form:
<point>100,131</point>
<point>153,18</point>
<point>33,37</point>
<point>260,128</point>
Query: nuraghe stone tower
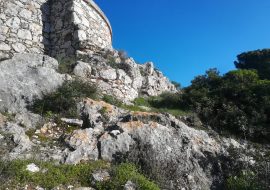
<point>53,27</point>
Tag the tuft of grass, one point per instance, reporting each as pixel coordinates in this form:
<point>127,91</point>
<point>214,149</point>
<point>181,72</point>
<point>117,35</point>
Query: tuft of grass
<point>9,116</point>
<point>112,100</point>
<point>66,65</point>
<point>245,181</point>
<point>165,103</point>
<point>124,172</point>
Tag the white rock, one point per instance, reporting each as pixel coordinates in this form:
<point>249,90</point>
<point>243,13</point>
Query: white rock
<point>130,186</point>
<point>32,168</point>
<point>101,176</point>
<point>14,23</point>
<point>24,34</point>
<point>18,47</point>
<point>4,46</point>
<point>26,14</point>
<point>80,35</point>
<point>82,69</point>
<point>3,29</point>
<point>109,74</point>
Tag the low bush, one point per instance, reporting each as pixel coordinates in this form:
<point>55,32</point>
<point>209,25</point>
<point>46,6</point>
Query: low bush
<point>66,65</point>
<point>63,101</point>
<point>244,181</point>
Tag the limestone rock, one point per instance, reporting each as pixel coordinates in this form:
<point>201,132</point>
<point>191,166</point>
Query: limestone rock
<point>24,34</point>
<point>130,186</point>
<point>111,145</point>
<point>82,70</point>
<point>74,122</point>
<point>101,176</point>
<point>26,77</point>
<point>109,74</point>
<point>84,143</point>
<point>32,168</point>
<point>21,140</point>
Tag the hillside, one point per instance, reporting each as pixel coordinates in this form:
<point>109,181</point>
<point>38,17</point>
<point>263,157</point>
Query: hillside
<point>77,114</point>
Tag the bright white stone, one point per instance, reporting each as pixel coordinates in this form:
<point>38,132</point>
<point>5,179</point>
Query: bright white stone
<point>14,23</point>
<point>80,35</point>
<point>26,14</point>
<point>18,47</point>
<point>82,70</point>
<point>32,168</point>
<point>4,47</point>
<point>3,29</point>
<point>25,34</point>
<point>109,74</point>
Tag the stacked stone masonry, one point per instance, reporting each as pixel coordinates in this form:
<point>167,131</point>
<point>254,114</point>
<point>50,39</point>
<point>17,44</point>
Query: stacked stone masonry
<point>53,27</point>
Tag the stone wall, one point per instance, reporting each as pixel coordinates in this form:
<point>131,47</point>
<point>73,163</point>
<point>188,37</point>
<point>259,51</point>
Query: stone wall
<point>54,27</point>
<point>21,26</point>
<point>93,28</point>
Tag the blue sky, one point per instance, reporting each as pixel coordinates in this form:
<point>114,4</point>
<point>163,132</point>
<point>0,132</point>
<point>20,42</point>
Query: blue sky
<point>184,38</point>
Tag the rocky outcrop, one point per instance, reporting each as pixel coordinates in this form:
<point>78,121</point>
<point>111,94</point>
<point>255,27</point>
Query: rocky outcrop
<point>180,156</point>
<point>26,77</point>
<point>121,76</point>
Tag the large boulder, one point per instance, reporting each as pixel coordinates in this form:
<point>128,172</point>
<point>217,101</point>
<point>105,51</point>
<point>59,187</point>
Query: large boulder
<point>26,77</point>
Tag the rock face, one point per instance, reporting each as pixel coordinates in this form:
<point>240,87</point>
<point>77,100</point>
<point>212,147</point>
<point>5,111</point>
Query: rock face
<point>121,76</point>
<point>26,77</point>
<point>180,156</point>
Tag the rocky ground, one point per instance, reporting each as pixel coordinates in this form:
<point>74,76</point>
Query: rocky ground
<point>173,154</point>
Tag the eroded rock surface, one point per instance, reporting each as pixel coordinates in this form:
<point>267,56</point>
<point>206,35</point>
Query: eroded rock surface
<point>121,76</point>
<point>26,77</point>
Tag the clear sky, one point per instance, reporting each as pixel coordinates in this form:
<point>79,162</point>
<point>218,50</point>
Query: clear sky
<point>184,38</point>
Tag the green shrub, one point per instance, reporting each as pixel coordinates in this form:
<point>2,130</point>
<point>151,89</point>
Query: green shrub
<point>176,84</point>
<point>245,181</point>
<point>111,62</point>
<point>63,101</point>
<point>238,102</point>
<point>66,65</point>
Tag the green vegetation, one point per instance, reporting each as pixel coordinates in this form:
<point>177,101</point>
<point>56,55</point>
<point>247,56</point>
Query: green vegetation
<point>14,173</point>
<point>111,100</point>
<point>9,116</point>
<point>124,172</point>
<point>165,103</point>
<point>64,100</point>
<point>245,181</point>
<point>50,175</point>
<point>66,65</point>
<point>238,102</point>
<point>176,84</point>
<point>258,60</point>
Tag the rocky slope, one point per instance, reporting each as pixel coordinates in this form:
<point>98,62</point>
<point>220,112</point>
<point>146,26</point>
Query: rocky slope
<point>174,154</point>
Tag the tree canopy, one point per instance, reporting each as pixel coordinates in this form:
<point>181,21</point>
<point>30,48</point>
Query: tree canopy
<point>258,60</point>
